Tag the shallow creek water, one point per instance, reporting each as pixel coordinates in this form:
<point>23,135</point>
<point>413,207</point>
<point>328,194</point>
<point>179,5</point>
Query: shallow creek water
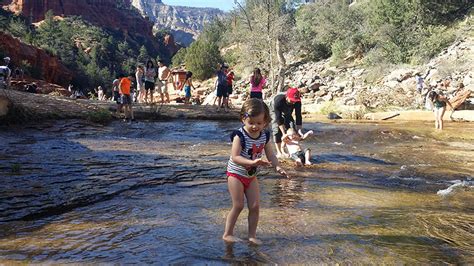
<point>155,192</point>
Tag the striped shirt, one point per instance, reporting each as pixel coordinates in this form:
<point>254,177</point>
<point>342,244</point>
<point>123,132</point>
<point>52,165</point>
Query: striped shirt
<point>251,149</point>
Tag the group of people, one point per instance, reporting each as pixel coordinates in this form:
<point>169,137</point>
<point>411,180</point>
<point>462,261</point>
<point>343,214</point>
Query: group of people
<point>150,78</point>
<point>224,86</point>
<point>434,99</point>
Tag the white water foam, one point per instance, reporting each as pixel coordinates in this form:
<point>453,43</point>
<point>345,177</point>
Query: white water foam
<point>458,186</point>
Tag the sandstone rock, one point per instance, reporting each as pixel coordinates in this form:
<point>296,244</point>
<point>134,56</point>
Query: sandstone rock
<point>51,68</point>
<point>5,105</point>
<point>106,13</point>
<point>319,100</point>
<point>468,79</point>
<point>315,85</point>
<point>320,93</point>
<point>392,84</point>
<point>400,75</point>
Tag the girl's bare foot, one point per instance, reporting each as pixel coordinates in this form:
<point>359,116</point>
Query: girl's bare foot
<point>308,163</point>
<point>231,239</point>
<point>255,241</point>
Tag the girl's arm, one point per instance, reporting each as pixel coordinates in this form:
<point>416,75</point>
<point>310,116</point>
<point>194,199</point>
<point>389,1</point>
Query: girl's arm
<point>238,159</point>
<point>305,135</point>
<point>191,83</point>
<point>273,159</point>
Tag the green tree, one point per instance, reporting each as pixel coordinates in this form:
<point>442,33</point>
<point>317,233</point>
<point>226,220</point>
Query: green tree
<point>265,28</point>
<point>143,55</point>
<point>179,58</point>
<point>202,58</point>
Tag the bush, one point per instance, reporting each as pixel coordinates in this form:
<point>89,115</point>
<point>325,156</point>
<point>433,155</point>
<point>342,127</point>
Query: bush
<point>100,116</point>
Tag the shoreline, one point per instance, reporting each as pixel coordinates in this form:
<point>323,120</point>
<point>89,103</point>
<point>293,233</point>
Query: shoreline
<point>26,107</point>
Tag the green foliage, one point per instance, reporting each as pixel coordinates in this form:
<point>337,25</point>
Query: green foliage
<point>394,31</point>
<point>179,58</point>
<point>330,23</point>
<point>95,55</point>
<point>18,28</point>
<point>99,116</point>
<point>202,59</point>
<point>143,54</point>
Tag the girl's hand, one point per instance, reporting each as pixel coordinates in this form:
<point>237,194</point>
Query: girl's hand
<point>282,172</point>
<point>261,162</point>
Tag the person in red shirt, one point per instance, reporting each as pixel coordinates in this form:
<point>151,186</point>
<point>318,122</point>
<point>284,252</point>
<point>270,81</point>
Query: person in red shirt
<point>124,88</point>
<point>230,80</point>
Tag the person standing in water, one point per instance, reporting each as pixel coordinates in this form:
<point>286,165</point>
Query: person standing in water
<point>439,103</point>
<point>249,143</point>
<point>282,107</point>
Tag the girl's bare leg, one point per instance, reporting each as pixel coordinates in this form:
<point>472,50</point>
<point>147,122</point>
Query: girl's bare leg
<point>253,202</point>
<point>307,157</point>
<point>236,190</point>
<point>441,114</point>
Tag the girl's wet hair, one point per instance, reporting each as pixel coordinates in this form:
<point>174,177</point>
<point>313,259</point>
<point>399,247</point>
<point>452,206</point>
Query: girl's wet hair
<point>254,107</point>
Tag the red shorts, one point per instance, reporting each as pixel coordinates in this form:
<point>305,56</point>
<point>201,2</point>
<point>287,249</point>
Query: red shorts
<point>244,180</point>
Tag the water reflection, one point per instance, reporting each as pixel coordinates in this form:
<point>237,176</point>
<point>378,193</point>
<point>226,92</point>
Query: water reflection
<point>287,193</point>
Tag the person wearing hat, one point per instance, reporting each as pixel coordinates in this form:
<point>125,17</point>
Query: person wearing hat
<point>282,107</point>
<point>5,74</point>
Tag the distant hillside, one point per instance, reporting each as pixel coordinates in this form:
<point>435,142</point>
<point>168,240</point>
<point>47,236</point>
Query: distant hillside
<point>185,23</point>
<point>94,40</point>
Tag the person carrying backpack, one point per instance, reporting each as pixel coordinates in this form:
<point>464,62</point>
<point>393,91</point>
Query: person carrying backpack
<point>5,74</point>
<point>222,87</point>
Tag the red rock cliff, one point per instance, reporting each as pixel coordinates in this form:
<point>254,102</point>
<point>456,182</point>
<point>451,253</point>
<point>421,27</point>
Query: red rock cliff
<point>52,70</point>
<point>113,14</point>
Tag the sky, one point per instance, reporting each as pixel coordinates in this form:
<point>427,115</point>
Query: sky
<point>225,5</point>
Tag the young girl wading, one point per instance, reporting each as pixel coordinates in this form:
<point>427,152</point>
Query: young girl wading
<point>248,145</point>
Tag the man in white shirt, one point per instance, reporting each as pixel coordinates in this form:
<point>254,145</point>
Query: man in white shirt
<point>164,78</point>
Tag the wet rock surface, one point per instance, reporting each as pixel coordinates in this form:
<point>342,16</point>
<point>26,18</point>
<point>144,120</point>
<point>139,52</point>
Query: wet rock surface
<point>154,192</point>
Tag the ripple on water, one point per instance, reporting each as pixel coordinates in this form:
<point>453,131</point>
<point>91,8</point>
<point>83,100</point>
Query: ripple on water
<point>155,192</point>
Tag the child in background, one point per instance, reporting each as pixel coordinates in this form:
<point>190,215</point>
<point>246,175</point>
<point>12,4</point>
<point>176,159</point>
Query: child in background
<point>188,84</point>
<point>292,142</point>
<point>248,145</point>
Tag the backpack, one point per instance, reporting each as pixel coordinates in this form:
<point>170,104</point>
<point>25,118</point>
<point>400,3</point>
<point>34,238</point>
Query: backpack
<point>221,78</point>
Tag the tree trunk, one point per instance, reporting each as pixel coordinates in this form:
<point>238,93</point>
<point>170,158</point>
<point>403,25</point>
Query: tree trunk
<point>281,66</point>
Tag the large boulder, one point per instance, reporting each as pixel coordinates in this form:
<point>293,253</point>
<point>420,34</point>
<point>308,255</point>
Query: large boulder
<point>5,105</point>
